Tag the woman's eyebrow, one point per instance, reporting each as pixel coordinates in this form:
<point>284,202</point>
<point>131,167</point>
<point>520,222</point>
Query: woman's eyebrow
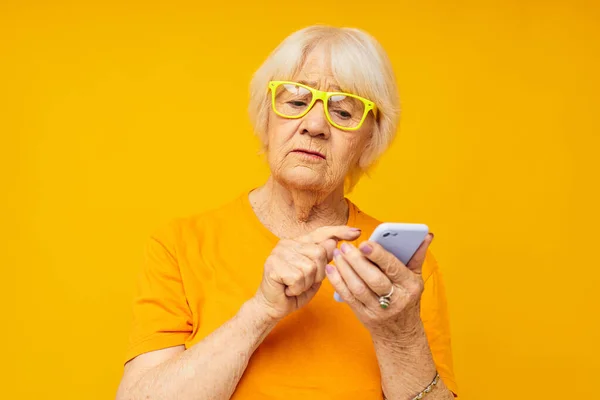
<point>308,83</point>
<point>313,84</point>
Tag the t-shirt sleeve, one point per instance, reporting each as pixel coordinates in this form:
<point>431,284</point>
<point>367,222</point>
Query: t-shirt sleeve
<point>434,313</point>
<point>161,315</point>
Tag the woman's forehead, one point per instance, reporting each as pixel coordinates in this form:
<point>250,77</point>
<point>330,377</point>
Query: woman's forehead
<point>317,76</point>
<point>316,72</point>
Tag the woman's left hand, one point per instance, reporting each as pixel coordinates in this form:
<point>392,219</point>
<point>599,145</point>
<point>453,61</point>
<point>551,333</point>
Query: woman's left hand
<point>361,275</point>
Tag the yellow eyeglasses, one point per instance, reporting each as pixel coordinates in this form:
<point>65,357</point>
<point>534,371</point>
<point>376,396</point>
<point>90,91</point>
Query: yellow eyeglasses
<point>343,110</point>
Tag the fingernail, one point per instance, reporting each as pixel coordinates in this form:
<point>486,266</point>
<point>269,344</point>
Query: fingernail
<point>329,268</point>
<point>355,229</point>
<point>336,252</point>
<point>365,248</point>
<point>432,235</point>
<point>345,248</point>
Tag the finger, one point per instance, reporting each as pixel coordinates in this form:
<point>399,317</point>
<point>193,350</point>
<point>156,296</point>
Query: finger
<point>415,264</point>
<point>316,253</point>
<point>355,284</point>
<point>293,279</point>
<point>339,232</point>
<point>299,276</point>
<point>386,261</point>
<point>329,245</point>
<point>375,279</point>
<point>341,288</point>
<point>309,294</point>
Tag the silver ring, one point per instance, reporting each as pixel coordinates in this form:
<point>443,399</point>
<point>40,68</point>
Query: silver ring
<point>384,301</point>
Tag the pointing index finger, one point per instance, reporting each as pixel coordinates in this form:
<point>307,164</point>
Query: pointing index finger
<point>328,236</point>
<point>339,232</point>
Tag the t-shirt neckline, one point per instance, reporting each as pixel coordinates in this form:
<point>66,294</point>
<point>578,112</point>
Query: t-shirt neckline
<point>253,218</point>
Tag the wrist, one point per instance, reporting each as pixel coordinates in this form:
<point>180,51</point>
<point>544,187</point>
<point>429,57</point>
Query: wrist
<point>254,310</point>
<point>410,350</point>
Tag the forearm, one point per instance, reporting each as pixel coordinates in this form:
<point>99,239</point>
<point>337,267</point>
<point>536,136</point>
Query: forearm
<point>212,368</point>
<point>407,366</point>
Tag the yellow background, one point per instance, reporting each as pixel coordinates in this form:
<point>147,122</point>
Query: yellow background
<point>116,117</point>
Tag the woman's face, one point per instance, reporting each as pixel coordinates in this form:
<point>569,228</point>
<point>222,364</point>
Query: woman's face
<point>309,153</point>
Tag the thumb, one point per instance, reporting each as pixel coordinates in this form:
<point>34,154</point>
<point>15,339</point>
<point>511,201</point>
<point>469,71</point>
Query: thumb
<point>329,245</point>
<point>415,264</point>
<point>309,294</point>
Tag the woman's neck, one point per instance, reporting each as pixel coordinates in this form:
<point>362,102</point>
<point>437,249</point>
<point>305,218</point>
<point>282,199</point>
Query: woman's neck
<point>290,212</point>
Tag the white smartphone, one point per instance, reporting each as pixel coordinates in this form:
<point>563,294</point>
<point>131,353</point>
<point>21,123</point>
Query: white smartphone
<point>402,240</point>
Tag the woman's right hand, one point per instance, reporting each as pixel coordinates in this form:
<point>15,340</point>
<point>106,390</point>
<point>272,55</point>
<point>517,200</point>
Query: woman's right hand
<point>295,268</point>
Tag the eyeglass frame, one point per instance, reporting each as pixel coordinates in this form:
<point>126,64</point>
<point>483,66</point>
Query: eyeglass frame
<point>324,97</point>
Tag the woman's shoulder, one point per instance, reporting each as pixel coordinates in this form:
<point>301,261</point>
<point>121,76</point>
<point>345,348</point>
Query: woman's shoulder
<point>196,225</point>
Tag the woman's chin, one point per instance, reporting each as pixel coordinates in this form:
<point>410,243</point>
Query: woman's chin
<point>302,178</point>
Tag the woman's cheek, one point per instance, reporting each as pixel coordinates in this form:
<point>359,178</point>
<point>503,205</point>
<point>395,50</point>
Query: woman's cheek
<point>339,167</point>
<point>351,152</point>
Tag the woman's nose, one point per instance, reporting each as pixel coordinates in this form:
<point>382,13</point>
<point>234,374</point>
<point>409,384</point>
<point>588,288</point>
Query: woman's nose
<point>315,123</point>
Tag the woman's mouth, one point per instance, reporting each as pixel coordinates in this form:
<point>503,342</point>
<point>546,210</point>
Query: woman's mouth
<point>309,153</point>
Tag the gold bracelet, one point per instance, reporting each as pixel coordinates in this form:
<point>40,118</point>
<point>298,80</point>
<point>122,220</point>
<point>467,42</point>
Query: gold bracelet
<point>429,387</point>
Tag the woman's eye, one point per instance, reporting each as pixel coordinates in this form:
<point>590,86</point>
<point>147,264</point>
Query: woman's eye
<point>343,114</point>
<point>297,103</point>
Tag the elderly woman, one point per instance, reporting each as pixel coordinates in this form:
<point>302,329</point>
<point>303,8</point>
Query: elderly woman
<point>239,302</point>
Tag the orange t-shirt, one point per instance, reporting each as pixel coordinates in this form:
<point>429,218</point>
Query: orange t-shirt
<point>199,271</point>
